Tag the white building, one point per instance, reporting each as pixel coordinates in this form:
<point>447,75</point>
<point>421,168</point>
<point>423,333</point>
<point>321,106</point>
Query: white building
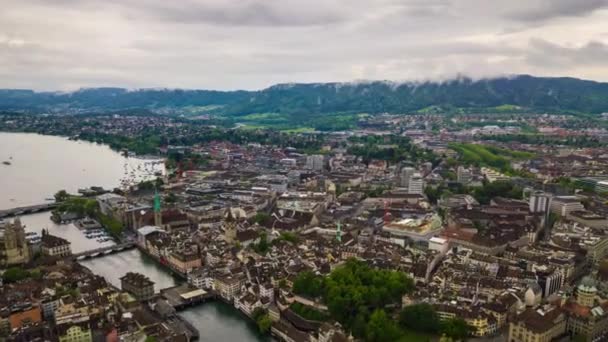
<point>540,202</point>
<point>200,279</point>
<point>463,175</point>
<point>564,205</point>
<point>439,244</point>
<point>267,290</point>
<point>229,286</point>
<point>492,175</point>
<point>55,246</point>
<point>406,174</point>
<point>315,162</point>
<point>143,232</point>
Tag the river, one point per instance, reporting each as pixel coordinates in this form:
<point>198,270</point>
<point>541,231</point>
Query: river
<point>41,165</point>
<point>215,321</point>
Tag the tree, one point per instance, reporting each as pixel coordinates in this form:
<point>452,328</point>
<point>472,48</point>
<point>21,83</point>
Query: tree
<point>456,328</point>
<point>355,289</point>
<point>114,226</point>
<point>264,324</point>
<point>262,319</point>
<point>61,196</point>
<point>171,198</point>
<point>257,313</point>
<point>261,217</point>
<point>381,328</point>
<point>419,317</point>
<point>499,188</point>
<point>262,246</point>
<point>287,236</point>
<point>308,284</point>
<point>14,274</point>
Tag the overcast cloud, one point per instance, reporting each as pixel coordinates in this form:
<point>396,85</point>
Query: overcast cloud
<point>252,44</point>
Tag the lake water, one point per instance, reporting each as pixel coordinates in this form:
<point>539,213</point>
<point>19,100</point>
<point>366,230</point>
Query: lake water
<point>42,165</point>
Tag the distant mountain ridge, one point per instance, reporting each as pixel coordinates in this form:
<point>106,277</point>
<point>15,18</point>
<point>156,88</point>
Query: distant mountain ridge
<point>540,94</point>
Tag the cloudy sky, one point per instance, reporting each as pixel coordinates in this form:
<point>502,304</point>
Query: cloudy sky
<point>251,44</point>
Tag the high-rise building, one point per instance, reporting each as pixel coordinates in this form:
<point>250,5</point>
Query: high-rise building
<point>540,202</point>
<point>550,281</point>
<point>415,184</point>
<point>463,175</point>
<point>406,174</point>
<point>315,162</point>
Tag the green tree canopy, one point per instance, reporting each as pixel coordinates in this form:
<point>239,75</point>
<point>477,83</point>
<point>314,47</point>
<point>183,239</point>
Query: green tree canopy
<point>419,317</point>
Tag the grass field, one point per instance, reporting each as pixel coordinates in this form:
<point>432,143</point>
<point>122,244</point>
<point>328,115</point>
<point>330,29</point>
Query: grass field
<point>490,156</point>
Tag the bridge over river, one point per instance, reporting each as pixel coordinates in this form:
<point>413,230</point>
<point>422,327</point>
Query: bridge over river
<point>27,210</point>
<point>99,252</point>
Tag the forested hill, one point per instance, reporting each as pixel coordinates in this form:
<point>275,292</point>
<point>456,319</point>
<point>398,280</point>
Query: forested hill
<point>523,92</point>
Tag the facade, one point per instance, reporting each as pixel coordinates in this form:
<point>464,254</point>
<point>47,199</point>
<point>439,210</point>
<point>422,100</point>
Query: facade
<point>585,318</point>
<point>14,249</point>
<point>463,175</point>
<point>593,326</point>
<point>586,293</point>
<point>54,246</point>
<point>200,278</point>
<point>75,332</point>
<point>49,305</point>
<point>482,324</point>
<point>406,174</point>
<point>145,231</point>
<point>140,286</point>
<point>540,202</point>
<point>550,281</point>
<point>564,205</point>
<point>415,184</point>
<point>229,286</point>
<point>185,261</point>
<point>538,325</point>
<point>492,175</point>
<point>315,162</point>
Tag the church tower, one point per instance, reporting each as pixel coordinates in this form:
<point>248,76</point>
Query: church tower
<point>14,248</point>
<point>339,232</point>
<point>229,224</point>
<point>158,217</point>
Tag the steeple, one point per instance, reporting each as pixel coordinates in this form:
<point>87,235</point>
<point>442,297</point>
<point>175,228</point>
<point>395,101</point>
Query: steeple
<point>158,219</point>
<point>339,232</point>
<point>230,223</point>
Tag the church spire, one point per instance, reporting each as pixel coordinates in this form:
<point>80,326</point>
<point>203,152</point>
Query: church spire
<point>339,232</point>
<point>157,210</point>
